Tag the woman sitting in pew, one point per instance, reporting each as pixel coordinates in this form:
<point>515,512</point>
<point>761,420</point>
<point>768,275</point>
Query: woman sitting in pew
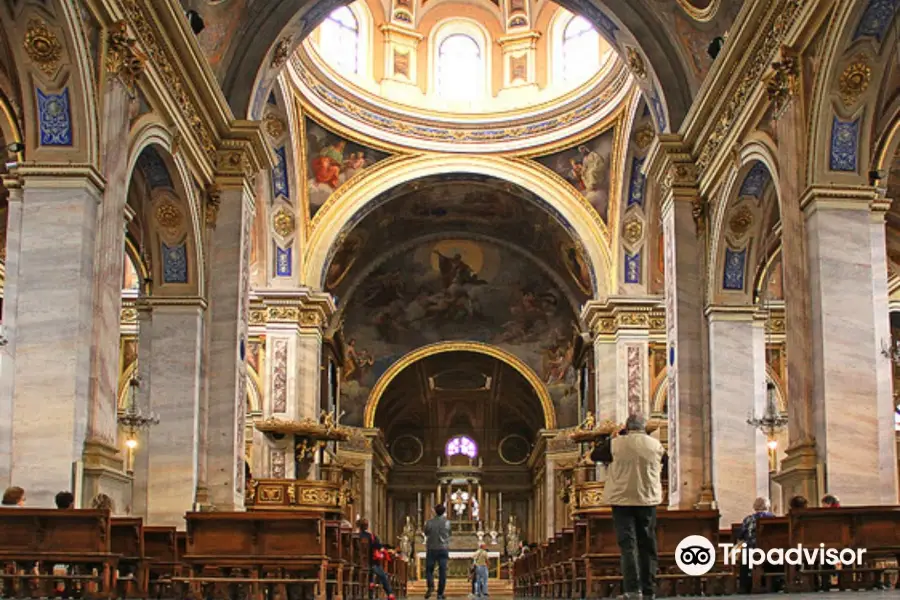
<point>762,509</point>
<point>380,554</point>
<point>14,497</point>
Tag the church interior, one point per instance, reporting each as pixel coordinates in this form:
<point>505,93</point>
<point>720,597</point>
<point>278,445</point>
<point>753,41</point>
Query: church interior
<point>270,267</point>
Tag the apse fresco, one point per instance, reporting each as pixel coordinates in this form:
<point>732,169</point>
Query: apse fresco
<point>458,289</point>
<point>587,167</point>
<point>332,160</point>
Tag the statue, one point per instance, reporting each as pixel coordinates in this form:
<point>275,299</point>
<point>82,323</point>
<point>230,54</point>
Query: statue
<point>327,419</point>
<point>406,538</point>
<point>512,537</point>
<point>589,421</point>
<point>494,534</point>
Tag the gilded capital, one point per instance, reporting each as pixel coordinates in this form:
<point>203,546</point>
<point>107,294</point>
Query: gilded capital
<point>123,58</point>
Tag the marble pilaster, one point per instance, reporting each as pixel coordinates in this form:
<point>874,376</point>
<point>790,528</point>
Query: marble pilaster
<point>229,302</point>
<point>549,497</point>
<point>175,334</point>
<point>738,389</point>
<point>852,407</point>
<point>53,329</point>
<point>102,461</point>
<point>10,304</point>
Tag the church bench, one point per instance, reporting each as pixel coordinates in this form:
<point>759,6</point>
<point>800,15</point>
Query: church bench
<point>771,533</point>
<point>45,551</point>
<point>161,552</point>
<point>128,542</point>
<point>873,528</point>
<point>254,553</point>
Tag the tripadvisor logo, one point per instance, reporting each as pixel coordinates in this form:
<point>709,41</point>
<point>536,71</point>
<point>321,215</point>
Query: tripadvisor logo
<point>696,555</point>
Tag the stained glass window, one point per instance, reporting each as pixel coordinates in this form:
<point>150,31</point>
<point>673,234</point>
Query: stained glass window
<point>339,40</point>
<point>460,68</point>
<point>462,445</point>
<point>580,51</point>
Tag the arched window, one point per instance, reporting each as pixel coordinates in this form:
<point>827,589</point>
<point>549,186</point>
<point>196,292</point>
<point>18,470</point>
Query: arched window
<point>461,445</point>
<point>580,51</point>
<point>460,68</point>
<point>339,40</point>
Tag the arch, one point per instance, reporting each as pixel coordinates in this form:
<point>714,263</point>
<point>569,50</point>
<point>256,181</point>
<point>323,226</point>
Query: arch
<point>444,347</point>
<point>575,28</point>
<point>753,153</point>
<point>459,28</point>
<point>146,133</point>
<point>350,203</point>
<point>252,71</point>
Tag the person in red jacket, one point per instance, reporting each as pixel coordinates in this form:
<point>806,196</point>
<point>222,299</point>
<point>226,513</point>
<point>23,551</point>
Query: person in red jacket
<point>380,555</point>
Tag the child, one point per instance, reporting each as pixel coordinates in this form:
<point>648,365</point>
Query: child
<point>480,560</point>
<point>379,554</point>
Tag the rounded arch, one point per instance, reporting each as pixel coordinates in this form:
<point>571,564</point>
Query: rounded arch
<point>463,28</point>
<point>149,132</point>
<point>284,24</point>
<point>755,154</point>
<point>444,347</point>
<point>349,203</point>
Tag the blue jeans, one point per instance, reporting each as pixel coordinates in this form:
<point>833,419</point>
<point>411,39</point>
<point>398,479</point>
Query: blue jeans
<point>379,574</point>
<point>440,557</point>
<point>481,581</point>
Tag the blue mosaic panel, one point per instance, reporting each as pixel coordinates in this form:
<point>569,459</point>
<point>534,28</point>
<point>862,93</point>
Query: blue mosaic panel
<point>755,181</point>
<point>280,187</point>
<point>844,143</point>
<point>658,111</point>
<point>154,169</point>
<point>283,261</point>
<point>876,19</point>
<point>735,260</point>
<point>55,118</point>
<point>174,263</point>
<point>637,183</point>
<point>633,267</point>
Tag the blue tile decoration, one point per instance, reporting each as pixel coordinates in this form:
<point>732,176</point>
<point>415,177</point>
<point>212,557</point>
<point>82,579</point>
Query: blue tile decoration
<point>733,279</point>
<point>755,181</point>
<point>55,118</point>
<point>174,263</point>
<point>876,19</point>
<point>637,183</point>
<point>280,187</point>
<point>154,169</point>
<point>844,143</point>
<point>283,261</point>
<point>633,267</point>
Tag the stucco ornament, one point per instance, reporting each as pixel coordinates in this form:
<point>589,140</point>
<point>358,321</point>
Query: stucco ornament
<point>42,46</point>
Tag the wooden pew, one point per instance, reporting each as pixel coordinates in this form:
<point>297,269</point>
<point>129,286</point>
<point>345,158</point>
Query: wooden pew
<point>34,541</point>
<point>256,554</point>
<point>128,542</point>
<point>874,528</point>
<point>161,552</point>
<point>773,532</point>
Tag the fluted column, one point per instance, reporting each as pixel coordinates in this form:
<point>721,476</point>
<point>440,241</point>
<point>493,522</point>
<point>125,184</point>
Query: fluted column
<point>54,324</point>
<point>171,339</point>
<point>853,409</point>
<point>10,308</point>
<point>737,372</point>
<point>229,303</point>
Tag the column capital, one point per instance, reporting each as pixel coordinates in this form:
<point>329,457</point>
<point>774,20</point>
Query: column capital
<point>60,176</point>
<point>842,197</point>
<point>240,158</point>
<point>393,32</point>
<point>723,312</point>
<point>619,314</point>
<point>524,39</point>
<point>301,307</point>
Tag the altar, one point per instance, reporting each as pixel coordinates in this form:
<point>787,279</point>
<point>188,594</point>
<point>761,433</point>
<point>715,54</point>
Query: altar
<point>459,563</point>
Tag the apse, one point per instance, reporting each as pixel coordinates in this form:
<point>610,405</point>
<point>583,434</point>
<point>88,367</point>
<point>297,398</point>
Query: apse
<point>459,258</point>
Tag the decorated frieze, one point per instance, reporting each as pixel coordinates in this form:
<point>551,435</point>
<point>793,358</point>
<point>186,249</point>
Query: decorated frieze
<point>609,319</point>
<point>305,309</point>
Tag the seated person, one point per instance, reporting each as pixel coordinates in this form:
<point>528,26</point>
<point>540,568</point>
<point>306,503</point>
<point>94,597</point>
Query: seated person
<point>761,510</point>
<point>14,497</point>
<point>798,503</point>
<point>380,553</point>
<point>830,501</point>
<point>65,500</point>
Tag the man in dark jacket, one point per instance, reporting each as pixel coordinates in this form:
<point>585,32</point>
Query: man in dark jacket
<point>437,550</point>
<point>378,553</point>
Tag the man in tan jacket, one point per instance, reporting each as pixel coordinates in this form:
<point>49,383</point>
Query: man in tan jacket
<point>634,490</point>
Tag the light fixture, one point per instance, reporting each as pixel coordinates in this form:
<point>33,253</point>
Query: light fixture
<point>772,445</point>
<point>131,443</point>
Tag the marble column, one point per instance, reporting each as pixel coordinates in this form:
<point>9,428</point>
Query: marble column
<point>684,330</point>
<point>852,406</point>
<point>229,279</point>
<point>53,330</point>
<point>737,373</point>
<point>175,335</point>
<point>103,464</point>
<point>10,308</point>
<point>549,497</point>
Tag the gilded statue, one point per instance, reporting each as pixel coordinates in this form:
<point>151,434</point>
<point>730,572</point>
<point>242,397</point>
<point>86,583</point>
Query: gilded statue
<point>327,419</point>
<point>589,421</point>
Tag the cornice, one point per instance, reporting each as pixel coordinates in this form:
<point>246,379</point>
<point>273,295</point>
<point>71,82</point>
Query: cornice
<point>303,308</point>
<point>152,302</point>
<point>56,175</point>
<point>843,197</point>
<point>621,314</point>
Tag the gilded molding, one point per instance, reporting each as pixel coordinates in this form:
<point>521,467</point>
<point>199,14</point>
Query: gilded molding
<point>283,223</point>
<point>42,46</point>
<point>213,202</point>
<point>282,52</point>
<point>635,62</point>
<point>304,309</point>
<point>123,58</point>
<point>625,315</point>
<point>633,230</point>
<point>783,84</point>
<point>779,21</point>
<point>740,222</point>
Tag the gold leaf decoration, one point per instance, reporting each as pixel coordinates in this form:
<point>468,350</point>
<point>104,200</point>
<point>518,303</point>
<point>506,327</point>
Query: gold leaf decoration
<point>42,46</point>
<point>740,221</point>
<point>275,127</point>
<point>635,62</point>
<point>283,223</point>
<point>633,230</point>
<point>854,81</point>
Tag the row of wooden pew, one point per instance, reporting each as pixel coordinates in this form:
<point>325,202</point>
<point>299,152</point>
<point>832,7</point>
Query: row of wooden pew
<point>584,561</point>
<point>273,555</point>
